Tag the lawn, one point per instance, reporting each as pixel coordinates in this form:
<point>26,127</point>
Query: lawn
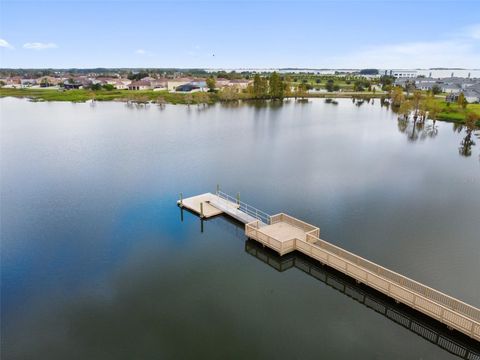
<point>455,113</point>
<point>83,95</point>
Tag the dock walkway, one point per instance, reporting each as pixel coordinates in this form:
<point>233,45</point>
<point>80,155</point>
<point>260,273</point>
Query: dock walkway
<point>284,233</point>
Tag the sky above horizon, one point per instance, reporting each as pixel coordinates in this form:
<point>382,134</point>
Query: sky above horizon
<point>239,34</point>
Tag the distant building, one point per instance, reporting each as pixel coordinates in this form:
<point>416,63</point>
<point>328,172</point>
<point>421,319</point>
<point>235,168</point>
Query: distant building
<point>401,73</point>
<point>122,84</point>
<point>71,86</point>
<point>159,83</point>
<point>27,82</point>
<point>139,85</point>
<point>239,83</point>
<point>221,82</point>
<point>172,84</point>
<point>187,88</point>
<point>451,88</point>
<point>472,94</point>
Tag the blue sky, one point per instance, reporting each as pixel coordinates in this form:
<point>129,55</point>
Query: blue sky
<point>232,34</point>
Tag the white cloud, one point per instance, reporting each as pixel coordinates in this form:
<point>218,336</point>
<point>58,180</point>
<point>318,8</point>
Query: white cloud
<point>140,52</point>
<point>5,44</point>
<point>474,31</point>
<point>39,46</point>
<point>455,50</point>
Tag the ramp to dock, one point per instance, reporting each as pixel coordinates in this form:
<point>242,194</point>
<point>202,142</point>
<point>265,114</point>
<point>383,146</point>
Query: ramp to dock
<point>284,233</point>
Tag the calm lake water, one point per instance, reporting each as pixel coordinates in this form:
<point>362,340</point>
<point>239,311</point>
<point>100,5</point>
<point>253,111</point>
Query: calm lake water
<point>98,262</point>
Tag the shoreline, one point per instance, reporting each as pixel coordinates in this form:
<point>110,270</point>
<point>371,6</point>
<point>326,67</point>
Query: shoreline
<point>196,98</point>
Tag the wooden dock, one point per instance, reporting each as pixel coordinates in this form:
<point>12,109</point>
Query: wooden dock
<point>284,233</point>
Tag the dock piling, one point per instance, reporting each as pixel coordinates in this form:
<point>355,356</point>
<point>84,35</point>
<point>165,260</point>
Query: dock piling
<point>181,199</point>
<point>201,210</point>
<point>238,198</point>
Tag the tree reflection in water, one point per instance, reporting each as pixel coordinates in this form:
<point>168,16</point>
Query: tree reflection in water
<point>465,148</point>
<point>420,129</point>
<point>417,128</point>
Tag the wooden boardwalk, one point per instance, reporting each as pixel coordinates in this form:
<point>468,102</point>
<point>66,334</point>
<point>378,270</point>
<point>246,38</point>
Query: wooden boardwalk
<point>284,233</point>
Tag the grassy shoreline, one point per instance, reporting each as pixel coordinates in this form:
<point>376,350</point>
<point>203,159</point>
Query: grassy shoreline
<point>449,112</point>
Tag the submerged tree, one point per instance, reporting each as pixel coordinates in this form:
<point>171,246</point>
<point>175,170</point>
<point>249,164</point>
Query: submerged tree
<point>467,142</point>
<point>397,97</point>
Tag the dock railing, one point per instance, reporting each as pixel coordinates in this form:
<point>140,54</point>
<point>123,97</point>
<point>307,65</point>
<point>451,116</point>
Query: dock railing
<point>244,207</point>
<point>446,309</point>
<point>252,230</point>
<point>295,222</point>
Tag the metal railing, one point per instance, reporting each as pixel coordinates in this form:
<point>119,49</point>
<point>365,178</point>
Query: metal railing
<point>244,207</point>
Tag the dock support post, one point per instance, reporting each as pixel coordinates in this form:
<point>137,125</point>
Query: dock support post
<point>238,198</point>
<point>218,188</point>
<point>181,199</point>
<point>201,210</point>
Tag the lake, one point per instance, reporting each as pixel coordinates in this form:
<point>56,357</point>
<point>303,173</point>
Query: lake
<point>98,262</point>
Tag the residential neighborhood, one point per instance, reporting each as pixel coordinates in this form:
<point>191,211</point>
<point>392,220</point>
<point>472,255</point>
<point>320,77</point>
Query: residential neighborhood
<point>451,86</point>
<point>172,84</point>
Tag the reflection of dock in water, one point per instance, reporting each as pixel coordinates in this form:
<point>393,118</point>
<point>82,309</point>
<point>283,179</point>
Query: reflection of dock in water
<point>434,331</point>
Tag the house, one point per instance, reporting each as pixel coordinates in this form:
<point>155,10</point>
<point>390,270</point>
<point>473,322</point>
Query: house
<point>46,81</point>
<point>425,83</point>
<point>71,85</point>
<point>27,82</point>
<point>187,88</point>
<point>172,84</point>
<point>451,88</point>
<point>14,81</point>
<point>159,83</point>
<point>472,94</point>
<point>139,85</point>
<point>239,83</point>
<point>221,82</point>
<point>122,84</point>
<point>200,83</point>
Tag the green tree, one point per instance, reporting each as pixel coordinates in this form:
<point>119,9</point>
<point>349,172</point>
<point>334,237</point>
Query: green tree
<point>287,89</point>
<point>436,89</point>
<point>416,100</point>
<point>108,87</point>
<point>471,120</point>
<point>260,87</point>
<point>211,84</point>
<point>396,95</point>
<point>405,109</point>
<point>329,86</point>
<point>301,91</point>
<point>276,87</point>
<point>461,101</point>
<point>95,87</point>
